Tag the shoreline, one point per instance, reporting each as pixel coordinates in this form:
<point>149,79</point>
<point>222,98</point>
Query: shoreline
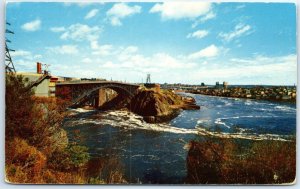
<point>231,97</point>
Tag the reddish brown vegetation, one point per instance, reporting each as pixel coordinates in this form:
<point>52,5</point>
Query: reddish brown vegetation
<point>36,147</point>
<point>63,92</point>
<point>226,161</point>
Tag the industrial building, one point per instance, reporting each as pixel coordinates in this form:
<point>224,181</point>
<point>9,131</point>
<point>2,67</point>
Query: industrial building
<point>42,83</point>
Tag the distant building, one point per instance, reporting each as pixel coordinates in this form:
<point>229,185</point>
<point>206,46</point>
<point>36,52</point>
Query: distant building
<point>225,85</point>
<point>43,84</point>
<point>45,88</point>
<point>217,85</point>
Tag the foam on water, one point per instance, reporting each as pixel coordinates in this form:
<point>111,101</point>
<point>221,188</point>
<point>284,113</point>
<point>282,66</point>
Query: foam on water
<point>248,103</point>
<point>80,110</point>
<point>128,120</point>
<point>219,122</point>
<point>285,108</point>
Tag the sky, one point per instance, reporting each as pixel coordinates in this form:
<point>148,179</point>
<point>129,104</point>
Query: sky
<point>175,42</point>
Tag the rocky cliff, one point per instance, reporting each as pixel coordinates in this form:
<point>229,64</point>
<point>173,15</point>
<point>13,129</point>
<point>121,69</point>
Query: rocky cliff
<point>159,106</point>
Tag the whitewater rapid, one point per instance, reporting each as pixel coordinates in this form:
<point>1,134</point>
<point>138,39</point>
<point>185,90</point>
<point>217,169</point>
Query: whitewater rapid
<point>129,121</point>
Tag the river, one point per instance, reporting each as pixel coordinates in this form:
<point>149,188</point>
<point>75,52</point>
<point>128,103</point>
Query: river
<point>156,153</point>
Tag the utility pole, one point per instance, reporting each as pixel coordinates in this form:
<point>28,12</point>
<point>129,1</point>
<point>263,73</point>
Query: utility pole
<point>9,65</point>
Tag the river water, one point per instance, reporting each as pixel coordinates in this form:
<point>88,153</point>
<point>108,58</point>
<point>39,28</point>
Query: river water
<point>156,153</point>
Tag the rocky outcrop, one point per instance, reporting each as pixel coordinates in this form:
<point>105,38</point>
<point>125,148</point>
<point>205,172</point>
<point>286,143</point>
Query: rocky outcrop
<point>159,106</point>
<point>155,106</point>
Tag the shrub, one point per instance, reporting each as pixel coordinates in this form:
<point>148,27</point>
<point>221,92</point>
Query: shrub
<point>36,147</point>
<point>18,107</point>
<point>109,170</point>
<point>24,163</point>
<point>69,159</point>
<point>228,161</point>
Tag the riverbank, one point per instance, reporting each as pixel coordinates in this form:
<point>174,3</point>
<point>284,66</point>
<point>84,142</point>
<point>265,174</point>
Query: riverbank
<point>276,94</point>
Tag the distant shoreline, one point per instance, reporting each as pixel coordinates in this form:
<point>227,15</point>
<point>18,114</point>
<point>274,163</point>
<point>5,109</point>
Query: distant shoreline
<point>271,100</point>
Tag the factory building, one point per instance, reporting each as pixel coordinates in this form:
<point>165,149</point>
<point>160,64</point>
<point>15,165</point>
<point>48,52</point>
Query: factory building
<point>42,83</point>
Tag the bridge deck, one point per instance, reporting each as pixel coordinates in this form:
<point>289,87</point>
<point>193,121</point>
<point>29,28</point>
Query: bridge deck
<point>93,82</point>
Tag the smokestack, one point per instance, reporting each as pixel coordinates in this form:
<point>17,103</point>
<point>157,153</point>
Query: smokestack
<point>39,68</point>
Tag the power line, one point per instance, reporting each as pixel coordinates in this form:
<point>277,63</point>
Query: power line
<point>9,65</point>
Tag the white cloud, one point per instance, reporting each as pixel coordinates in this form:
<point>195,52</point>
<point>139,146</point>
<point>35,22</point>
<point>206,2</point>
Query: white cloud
<point>239,30</point>
<point>102,50</point>
<point>38,56</point>
<point>20,53</point>
<point>25,55</point>
<point>87,60</point>
<point>198,34</point>
<point>25,60</point>
<point>264,60</point>
<point>64,49</point>
<point>24,65</point>
<point>240,7</point>
<point>122,53</point>
<point>57,29</point>
<point>120,11</point>
<point>208,16</point>
<point>130,49</point>
<point>167,61</point>
<point>32,26</point>
<point>82,4</point>
<point>257,70</point>
<point>180,10</point>
<point>94,45</point>
<point>80,32</point>
<point>128,59</point>
<point>109,64</point>
<point>91,14</point>
<point>115,21</point>
<point>210,51</point>
<point>126,53</point>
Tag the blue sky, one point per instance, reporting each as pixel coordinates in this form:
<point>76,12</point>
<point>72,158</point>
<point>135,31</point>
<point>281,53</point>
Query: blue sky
<point>182,42</point>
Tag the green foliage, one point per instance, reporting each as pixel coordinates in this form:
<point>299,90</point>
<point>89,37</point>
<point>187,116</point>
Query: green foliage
<point>69,159</point>
<point>229,161</point>
<point>78,155</point>
<point>96,181</point>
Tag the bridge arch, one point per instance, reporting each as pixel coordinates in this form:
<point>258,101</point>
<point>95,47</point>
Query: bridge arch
<point>124,89</point>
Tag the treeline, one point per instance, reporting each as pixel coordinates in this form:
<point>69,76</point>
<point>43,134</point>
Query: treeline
<point>37,148</point>
<point>231,161</point>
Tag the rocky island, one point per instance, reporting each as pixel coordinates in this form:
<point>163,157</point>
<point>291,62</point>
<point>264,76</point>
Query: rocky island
<point>159,106</point>
<point>155,105</point>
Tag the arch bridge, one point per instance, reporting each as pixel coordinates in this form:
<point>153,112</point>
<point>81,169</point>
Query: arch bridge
<point>78,92</point>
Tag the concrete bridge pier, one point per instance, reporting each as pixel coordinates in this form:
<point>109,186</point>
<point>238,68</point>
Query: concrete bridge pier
<point>95,102</point>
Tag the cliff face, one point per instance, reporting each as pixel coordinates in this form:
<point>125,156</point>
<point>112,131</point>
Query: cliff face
<point>154,106</point>
<point>151,103</point>
<point>159,106</point>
